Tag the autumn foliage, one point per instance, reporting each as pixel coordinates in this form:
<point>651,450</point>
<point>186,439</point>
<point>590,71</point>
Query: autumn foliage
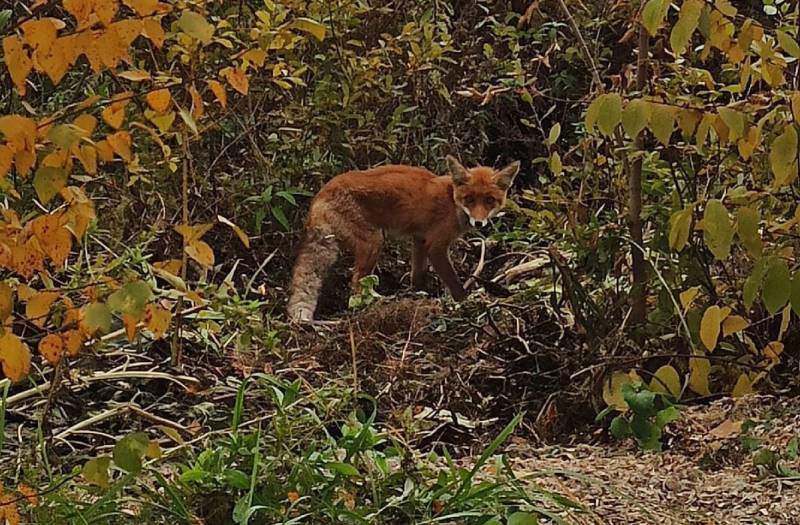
<point>161,94</point>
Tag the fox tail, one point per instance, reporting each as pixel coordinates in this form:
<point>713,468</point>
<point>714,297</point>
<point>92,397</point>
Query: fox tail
<point>318,252</point>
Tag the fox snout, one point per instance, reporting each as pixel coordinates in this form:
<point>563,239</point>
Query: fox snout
<point>478,216</point>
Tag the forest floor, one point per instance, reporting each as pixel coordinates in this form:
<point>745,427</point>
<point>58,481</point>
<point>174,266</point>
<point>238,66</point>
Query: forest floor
<point>706,476</point>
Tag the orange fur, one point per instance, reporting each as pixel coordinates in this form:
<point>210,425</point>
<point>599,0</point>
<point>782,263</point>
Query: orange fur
<point>354,210</point>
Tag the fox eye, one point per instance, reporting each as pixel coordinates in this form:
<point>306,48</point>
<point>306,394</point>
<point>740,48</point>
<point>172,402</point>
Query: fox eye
<point>491,201</point>
<point>469,200</point>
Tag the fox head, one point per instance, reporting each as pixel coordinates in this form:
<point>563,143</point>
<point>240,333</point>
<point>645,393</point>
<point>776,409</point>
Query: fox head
<point>481,192</point>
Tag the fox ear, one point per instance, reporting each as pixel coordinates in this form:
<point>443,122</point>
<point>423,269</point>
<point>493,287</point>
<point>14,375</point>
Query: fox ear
<point>457,171</point>
<point>505,177</point>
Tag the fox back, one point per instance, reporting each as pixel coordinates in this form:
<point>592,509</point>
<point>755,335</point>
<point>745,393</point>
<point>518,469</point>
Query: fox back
<point>354,211</point>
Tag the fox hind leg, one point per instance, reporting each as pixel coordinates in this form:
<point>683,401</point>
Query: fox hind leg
<point>419,264</point>
<point>366,249</point>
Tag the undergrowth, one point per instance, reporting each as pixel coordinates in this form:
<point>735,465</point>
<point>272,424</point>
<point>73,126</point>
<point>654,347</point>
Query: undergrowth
<point>317,455</point>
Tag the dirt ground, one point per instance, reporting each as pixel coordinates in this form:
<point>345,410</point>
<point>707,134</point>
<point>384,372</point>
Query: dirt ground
<point>707,475</point>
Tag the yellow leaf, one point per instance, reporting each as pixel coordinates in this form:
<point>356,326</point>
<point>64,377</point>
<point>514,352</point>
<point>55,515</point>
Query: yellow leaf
<point>699,369</point>
<point>95,471</point>
<point>773,350</point>
<point>15,357</point>
<point>72,342</point>
<point>197,103</point>
<point>38,307</point>
<point>734,324</point>
<point>159,100</point>
<point>192,233</point>
<point>6,160</point>
<point>87,155</point>
<point>710,326</point>
<point>86,122</point>
<point>237,79</point>
<point>114,116</point>
<point>796,106</point>
<point>172,266</point>
<point>52,348</point>
<point>143,7</point>
<point>238,231</point>
<point>129,322</point>
<point>104,151</point>
<point>17,61</point>
<point>743,386</point>
<point>120,142</point>
<point>312,27</point>
<point>6,301</point>
<point>135,75</point>
<point>196,26</point>
<point>48,182</point>
<point>106,10</point>
<point>81,10</point>
<point>687,297</point>
<point>157,320</point>
<point>219,92</point>
<point>39,33</point>
<point>201,252</point>
<point>53,237</point>
<point>162,120</point>
<point>256,56</point>
<point>154,31</point>
<point>612,390</point>
<point>667,381</point>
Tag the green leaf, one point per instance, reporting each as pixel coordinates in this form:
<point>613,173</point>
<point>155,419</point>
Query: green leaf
<point>747,220</point>
<point>281,217</point>
<point>129,451</point>
<point>196,26</point>
<point>236,479</point>
<point>523,518</point>
<point>646,433</point>
<point>641,401</point>
<point>662,122</point>
<point>653,15</point>
<point>610,113</point>
<point>717,229</point>
<point>189,121</point>
<point>783,156</point>
<point>620,428</point>
<point>312,27</point>
<point>788,44</point>
<point>345,469</point>
<point>752,286</point>
<point>65,135</point>
<point>131,299</point>
<point>686,25</point>
<point>680,227</point>
<point>48,181</point>
<point>667,416</point>
<point>592,114</point>
<point>635,117</point>
<point>555,164</point>
<point>735,121</point>
<point>555,132</point>
<point>97,317</point>
<point>5,16</point>
<point>777,285</point>
<point>666,381</point>
<point>95,471</point>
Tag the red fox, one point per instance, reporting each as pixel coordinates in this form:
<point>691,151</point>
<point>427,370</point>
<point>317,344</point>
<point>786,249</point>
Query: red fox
<point>354,210</point>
